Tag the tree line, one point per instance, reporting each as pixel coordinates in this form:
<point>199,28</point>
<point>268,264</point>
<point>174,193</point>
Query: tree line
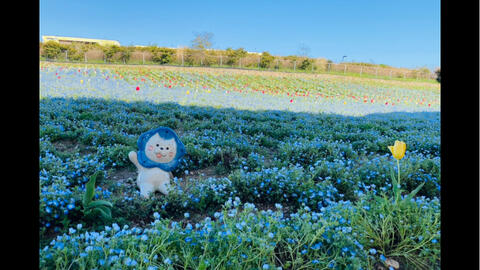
<point>200,53</point>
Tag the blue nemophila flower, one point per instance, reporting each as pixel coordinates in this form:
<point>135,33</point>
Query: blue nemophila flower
<point>266,266</point>
<point>79,226</point>
<point>130,262</point>
<point>144,237</point>
<point>71,230</point>
<point>372,251</point>
<point>156,215</point>
<point>186,215</point>
<point>382,257</point>
<point>167,261</point>
<point>316,246</point>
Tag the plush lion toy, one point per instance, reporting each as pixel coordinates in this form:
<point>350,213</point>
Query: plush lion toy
<point>159,153</point>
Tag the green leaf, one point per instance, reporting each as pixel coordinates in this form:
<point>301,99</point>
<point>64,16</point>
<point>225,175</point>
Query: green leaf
<point>414,192</point>
<point>394,183</point>
<point>202,266</point>
<point>90,188</point>
<point>99,203</point>
<point>103,211</point>
<point>89,191</point>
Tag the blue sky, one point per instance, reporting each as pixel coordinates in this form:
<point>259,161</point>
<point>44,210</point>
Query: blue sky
<point>398,33</point>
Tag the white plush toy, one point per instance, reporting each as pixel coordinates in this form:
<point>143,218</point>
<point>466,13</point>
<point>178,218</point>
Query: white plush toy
<point>159,152</point>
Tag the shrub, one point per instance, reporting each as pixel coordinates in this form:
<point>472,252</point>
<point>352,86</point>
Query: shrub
<point>306,64</point>
<point>162,55</point>
<point>52,49</point>
<point>266,60</point>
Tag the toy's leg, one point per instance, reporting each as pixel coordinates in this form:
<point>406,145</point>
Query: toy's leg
<point>146,190</point>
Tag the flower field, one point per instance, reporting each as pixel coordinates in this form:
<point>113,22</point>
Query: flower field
<point>282,171</point>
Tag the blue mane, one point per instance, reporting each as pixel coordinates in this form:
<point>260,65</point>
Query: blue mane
<point>166,134</point>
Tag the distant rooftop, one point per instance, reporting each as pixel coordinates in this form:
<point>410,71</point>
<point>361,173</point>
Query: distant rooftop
<point>68,40</point>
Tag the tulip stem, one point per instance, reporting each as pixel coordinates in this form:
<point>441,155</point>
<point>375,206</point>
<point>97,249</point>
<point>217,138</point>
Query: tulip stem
<point>399,186</point>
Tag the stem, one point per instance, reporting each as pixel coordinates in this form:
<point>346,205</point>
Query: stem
<point>398,166</point>
<point>399,186</point>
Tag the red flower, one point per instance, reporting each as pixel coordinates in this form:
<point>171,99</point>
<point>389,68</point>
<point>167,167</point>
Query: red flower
<point>138,88</point>
<point>291,100</point>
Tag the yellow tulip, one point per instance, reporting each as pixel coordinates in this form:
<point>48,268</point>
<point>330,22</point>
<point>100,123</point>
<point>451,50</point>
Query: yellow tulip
<point>398,149</point>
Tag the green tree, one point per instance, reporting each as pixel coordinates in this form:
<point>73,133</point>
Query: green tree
<point>125,53</point>
<point>235,55</point>
<point>306,64</point>
<point>52,49</point>
<point>74,53</point>
<point>266,60</point>
<point>110,52</point>
<point>162,55</point>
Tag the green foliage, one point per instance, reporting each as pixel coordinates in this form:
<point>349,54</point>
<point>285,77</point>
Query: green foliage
<point>115,52</point>
<point>266,60</point>
<point>292,58</point>
<point>74,54</point>
<point>162,55</point>
<point>235,55</point>
<point>306,64</point>
<point>52,49</point>
<point>110,51</point>
<point>95,209</point>
<point>125,53</point>
<point>408,231</point>
<point>189,56</point>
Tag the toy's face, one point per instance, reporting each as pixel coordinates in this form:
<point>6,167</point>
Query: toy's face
<point>160,150</point>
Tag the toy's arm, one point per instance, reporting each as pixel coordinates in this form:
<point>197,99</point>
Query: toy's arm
<point>133,158</point>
